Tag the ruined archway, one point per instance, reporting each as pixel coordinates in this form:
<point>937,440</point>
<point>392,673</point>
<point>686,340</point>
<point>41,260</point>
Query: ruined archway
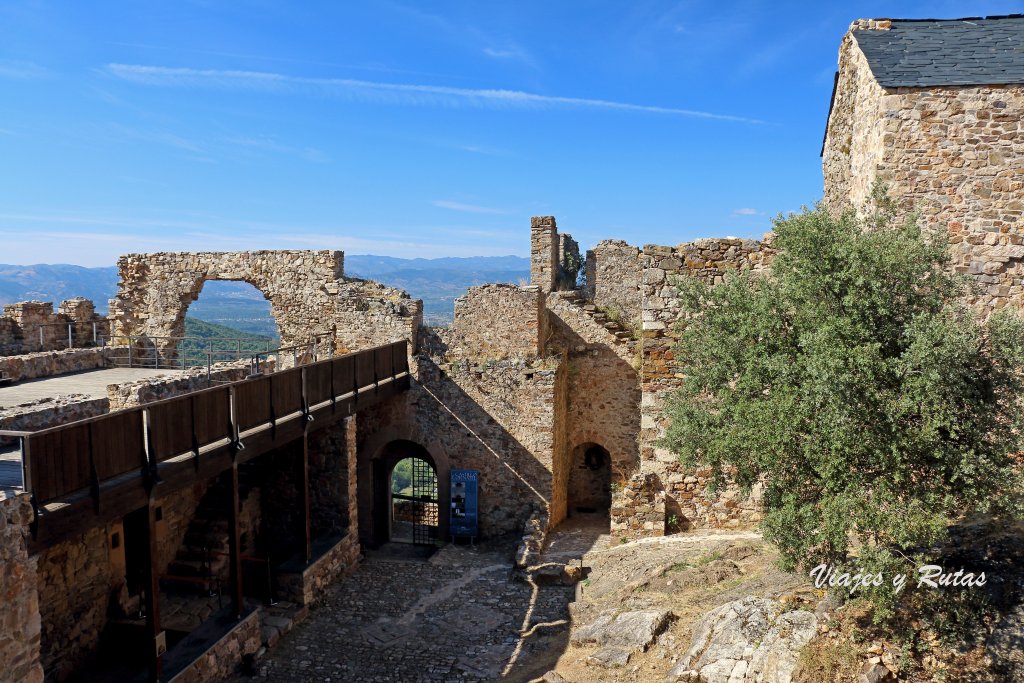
<point>307,291</point>
<point>378,454</point>
<point>590,480</point>
<point>157,289</point>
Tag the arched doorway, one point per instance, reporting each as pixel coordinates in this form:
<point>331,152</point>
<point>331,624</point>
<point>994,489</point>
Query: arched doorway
<point>406,495</point>
<point>590,480</point>
<point>414,508</point>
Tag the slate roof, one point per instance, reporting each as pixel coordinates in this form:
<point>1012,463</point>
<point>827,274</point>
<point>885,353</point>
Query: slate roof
<point>937,52</point>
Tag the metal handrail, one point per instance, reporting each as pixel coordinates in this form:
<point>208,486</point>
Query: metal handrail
<point>98,339</point>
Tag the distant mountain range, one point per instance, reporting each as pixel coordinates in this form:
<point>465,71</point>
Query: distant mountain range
<point>437,281</point>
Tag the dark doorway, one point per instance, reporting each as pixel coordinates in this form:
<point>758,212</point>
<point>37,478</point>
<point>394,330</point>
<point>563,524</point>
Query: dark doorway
<point>414,502</point>
<point>590,480</point>
<point>136,549</point>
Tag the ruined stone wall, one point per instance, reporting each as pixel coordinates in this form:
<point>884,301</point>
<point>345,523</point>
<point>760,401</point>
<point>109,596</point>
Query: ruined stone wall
<point>20,623</point>
<point>32,326</point>
<point>613,278</point>
<point>368,314</point>
<point>710,260</point>
<point>954,154</point>
<point>52,363</point>
<point>544,253</point>
<point>308,293</point>
<point>140,392</point>
<point>555,261</point>
<point>10,336</point>
<point>498,321</point>
<point>50,412</point>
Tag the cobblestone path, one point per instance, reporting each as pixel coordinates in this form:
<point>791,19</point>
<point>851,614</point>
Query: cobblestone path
<point>455,617</point>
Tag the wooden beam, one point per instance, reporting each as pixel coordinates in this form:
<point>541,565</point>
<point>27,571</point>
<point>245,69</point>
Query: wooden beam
<point>307,507</point>
<point>152,595</point>
<point>234,546</point>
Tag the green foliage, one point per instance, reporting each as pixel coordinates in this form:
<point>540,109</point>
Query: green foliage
<point>402,479</point>
<point>225,343</point>
<point>852,380</point>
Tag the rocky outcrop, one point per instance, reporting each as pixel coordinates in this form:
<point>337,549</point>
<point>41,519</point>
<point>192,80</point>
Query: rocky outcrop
<point>751,640</point>
<point>622,635</point>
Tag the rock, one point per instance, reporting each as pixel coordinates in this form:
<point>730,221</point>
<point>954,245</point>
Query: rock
<point>1006,644</point>
<point>747,640</point>
<point>628,632</point>
<point>875,672</point>
<point>610,657</point>
<point>552,677</point>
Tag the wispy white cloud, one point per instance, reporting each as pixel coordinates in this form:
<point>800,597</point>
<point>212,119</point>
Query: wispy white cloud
<point>468,208</point>
<point>21,70</point>
<point>97,240</point>
<point>271,145</point>
<point>398,93</point>
<point>746,212</point>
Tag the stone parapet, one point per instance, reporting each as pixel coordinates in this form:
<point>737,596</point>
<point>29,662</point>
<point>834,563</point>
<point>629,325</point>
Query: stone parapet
<point>498,321</point>
<point>53,363</point>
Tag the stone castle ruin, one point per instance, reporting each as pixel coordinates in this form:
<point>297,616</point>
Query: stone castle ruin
<point>553,391</point>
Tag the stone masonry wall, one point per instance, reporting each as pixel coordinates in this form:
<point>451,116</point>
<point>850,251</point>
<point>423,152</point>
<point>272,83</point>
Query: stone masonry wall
<point>495,418</point>
<point>710,260</point>
<point>32,326</point>
<point>499,321</point>
<point>856,132</point>
<point>20,623</point>
<point>52,363</point>
<point>613,278</point>
<point>954,154</point>
<point>544,253</point>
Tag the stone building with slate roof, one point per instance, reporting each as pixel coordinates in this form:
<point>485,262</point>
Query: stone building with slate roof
<point>935,109</point>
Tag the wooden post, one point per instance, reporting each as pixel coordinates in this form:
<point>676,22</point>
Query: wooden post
<point>158,643</point>
<point>306,502</point>
<point>234,547</point>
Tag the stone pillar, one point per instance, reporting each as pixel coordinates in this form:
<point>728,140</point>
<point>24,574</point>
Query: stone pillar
<point>544,247</point>
<point>82,313</point>
<point>19,608</point>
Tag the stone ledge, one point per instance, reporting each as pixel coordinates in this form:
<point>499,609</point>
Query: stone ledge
<point>333,558</point>
<point>215,649</point>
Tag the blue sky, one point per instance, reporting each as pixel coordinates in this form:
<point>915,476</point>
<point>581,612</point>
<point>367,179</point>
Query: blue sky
<point>410,128</point>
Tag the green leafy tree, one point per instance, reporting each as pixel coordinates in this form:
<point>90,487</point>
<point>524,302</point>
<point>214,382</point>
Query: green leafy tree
<point>853,382</point>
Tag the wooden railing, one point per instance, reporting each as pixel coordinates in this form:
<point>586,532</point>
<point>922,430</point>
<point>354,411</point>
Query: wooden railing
<point>86,455</point>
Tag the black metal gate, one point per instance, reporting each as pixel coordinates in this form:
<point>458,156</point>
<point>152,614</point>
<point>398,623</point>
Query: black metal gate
<point>424,493</point>
<point>416,511</point>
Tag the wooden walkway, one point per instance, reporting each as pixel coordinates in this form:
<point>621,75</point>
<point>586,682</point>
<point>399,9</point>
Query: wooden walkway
<point>95,470</point>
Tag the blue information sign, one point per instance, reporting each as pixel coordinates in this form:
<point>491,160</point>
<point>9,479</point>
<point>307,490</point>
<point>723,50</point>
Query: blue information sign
<point>464,503</point>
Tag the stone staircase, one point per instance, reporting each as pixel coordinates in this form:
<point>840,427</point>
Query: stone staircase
<point>202,559</point>
<point>608,330</point>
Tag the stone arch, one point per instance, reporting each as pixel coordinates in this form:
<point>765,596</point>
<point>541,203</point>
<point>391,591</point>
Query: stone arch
<point>590,479</point>
<point>308,293</point>
<point>157,289</point>
<point>373,466</point>
<point>623,463</point>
